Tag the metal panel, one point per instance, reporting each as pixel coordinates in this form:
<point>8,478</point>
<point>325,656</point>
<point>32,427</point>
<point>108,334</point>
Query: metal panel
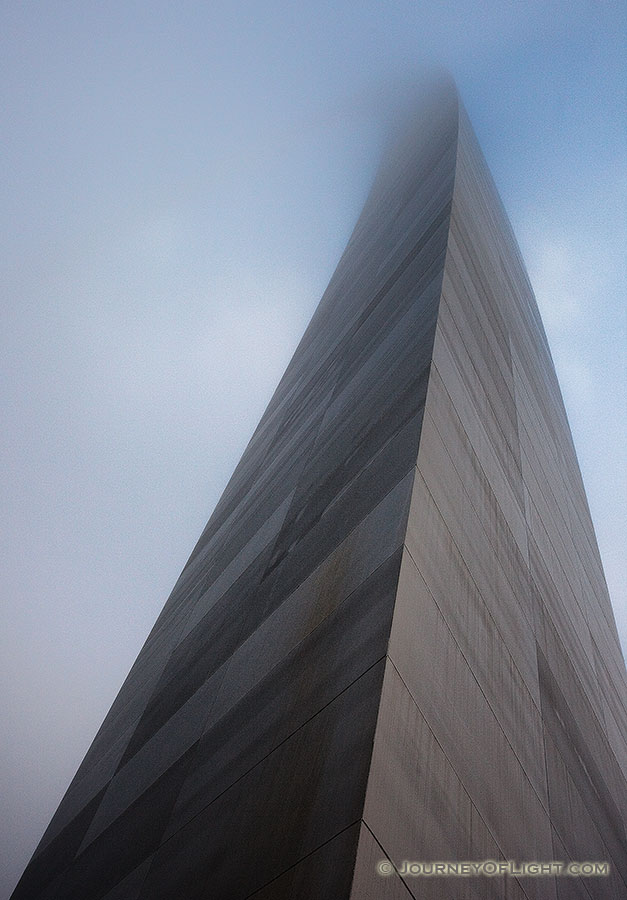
<point>393,638</point>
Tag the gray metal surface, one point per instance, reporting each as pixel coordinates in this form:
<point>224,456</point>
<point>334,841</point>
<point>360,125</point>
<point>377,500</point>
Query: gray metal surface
<point>393,638</point>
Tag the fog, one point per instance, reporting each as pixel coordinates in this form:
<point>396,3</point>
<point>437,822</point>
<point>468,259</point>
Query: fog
<point>179,182</point>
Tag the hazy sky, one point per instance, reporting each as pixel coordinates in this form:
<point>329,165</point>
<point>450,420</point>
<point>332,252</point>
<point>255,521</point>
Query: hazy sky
<point>178,183</point>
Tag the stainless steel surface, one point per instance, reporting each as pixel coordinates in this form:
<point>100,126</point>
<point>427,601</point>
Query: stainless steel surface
<point>393,638</point>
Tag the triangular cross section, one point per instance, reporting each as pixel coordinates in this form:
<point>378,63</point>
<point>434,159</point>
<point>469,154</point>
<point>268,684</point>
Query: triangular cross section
<point>393,641</point>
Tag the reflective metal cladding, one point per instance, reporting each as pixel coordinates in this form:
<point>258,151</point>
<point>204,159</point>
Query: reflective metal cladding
<point>392,645</point>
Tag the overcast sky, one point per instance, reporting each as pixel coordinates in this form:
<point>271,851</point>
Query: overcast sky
<point>178,183</point>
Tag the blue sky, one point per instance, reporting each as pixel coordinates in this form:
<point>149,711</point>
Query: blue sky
<point>178,183</point>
